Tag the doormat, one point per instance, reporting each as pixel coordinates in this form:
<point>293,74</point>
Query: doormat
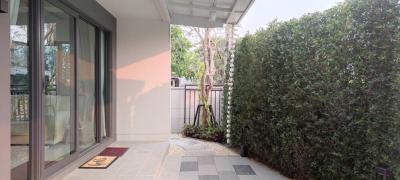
<point>99,162</point>
<point>104,159</point>
<point>113,151</point>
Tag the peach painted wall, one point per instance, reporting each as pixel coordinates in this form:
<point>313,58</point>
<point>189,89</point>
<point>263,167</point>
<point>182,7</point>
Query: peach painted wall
<point>5,125</point>
<point>143,80</point>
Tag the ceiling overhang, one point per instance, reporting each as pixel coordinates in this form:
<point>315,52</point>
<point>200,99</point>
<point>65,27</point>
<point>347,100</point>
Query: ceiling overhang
<point>197,13</point>
<point>206,13</point>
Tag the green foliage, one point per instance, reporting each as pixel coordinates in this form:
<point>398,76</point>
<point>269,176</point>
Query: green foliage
<point>185,62</point>
<point>216,134</point>
<point>321,93</point>
<point>220,58</point>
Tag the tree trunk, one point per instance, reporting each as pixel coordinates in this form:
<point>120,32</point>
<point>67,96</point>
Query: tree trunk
<point>206,80</point>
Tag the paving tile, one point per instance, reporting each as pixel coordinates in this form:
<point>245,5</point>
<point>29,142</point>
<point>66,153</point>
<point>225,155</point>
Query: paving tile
<point>171,163</point>
<point>251,177</point>
<point>129,171</point>
<point>227,175</point>
<point>243,170</point>
<point>200,153</point>
<point>223,164</point>
<point>206,160</point>
<point>141,178</point>
<point>208,177</point>
<point>207,169</point>
<point>239,160</point>
<point>189,175</point>
<point>150,167</point>
<point>80,177</point>
<point>169,177</point>
<point>171,168</point>
<point>189,158</point>
<point>189,166</point>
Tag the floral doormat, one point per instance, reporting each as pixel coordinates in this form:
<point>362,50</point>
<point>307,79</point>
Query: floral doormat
<point>99,162</point>
<point>104,159</point>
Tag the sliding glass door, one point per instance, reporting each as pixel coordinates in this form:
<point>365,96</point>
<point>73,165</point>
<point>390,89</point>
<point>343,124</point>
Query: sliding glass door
<point>19,88</point>
<point>87,124</point>
<point>103,66</point>
<point>59,83</point>
<point>59,76</point>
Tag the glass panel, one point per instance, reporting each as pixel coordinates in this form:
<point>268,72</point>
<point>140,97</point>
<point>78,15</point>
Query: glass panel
<point>58,110</point>
<point>19,50</point>
<point>103,67</point>
<point>86,90</point>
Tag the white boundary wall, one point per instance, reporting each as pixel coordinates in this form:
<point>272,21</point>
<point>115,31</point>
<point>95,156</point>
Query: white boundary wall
<point>177,109</point>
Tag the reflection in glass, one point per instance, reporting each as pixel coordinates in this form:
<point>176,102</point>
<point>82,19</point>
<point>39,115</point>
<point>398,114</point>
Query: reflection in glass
<point>86,89</point>
<point>103,67</point>
<point>59,84</point>
<point>19,51</point>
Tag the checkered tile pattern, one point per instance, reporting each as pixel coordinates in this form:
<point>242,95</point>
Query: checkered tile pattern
<point>216,168</point>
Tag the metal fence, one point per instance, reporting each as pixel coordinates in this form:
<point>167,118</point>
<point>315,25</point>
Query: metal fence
<point>191,101</point>
<point>19,103</point>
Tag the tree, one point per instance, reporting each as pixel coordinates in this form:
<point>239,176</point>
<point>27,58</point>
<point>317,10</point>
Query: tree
<point>212,47</point>
<point>203,61</point>
<point>185,62</point>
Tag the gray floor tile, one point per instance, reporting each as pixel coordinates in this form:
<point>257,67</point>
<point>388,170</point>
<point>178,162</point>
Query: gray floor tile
<point>189,166</point>
<point>207,169</point>
<point>239,160</point>
<point>189,175</point>
<point>243,170</point>
<point>189,158</point>
<point>208,177</point>
<point>228,175</point>
<point>223,164</point>
<point>199,153</point>
<point>251,177</point>
<point>206,160</point>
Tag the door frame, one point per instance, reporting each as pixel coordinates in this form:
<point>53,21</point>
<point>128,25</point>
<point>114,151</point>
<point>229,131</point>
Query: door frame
<point>36,164</point>
<point>5,121</point>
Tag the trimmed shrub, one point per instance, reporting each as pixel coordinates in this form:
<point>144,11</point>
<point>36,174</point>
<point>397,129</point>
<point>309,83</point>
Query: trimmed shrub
<point>216,134</point>
<point>320,93</point>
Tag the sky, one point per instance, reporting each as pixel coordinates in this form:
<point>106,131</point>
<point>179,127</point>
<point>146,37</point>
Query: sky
<point>264,11</point>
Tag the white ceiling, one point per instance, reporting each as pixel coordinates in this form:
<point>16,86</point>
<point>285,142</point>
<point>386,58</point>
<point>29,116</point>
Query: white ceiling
<point>145,9</point>
<point>200,13</point>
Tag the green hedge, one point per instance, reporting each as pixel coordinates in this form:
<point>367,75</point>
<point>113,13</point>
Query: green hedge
<point>320,93</point>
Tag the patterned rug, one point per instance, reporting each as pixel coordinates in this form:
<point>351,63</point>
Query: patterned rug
<point>105,158</point>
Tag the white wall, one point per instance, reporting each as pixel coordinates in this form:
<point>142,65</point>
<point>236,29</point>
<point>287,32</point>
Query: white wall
<point>177,109</point>
<point>143,80</point>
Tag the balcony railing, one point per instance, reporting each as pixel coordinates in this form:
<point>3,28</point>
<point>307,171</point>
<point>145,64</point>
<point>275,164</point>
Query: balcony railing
<point>19,103</point>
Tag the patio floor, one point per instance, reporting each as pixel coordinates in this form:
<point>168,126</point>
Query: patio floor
<point>178,159</point>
